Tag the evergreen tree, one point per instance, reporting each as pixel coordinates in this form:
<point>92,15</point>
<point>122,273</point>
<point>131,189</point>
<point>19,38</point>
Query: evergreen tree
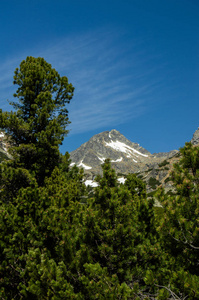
<point>180,224</point>
<point>135,185</point>
<point>117,241</point>
<point>37,187</point>
<point>38,239</point>
<point>38,125</point>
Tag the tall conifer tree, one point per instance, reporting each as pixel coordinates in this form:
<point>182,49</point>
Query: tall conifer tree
<point>180,224</point>
<point>38,125</point>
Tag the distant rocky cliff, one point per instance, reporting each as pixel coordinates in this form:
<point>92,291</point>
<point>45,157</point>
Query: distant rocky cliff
<point>126,157</point>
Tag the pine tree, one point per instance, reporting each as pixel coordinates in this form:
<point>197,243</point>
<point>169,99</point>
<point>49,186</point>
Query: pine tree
<point>40,194</point>
<point>180,224</point>
<point>37,127</point>
<point>117,240</point>
<point>38,239</point>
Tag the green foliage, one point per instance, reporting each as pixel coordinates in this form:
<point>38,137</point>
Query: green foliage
<point>151,194</point>
<point>153,183</point>
<point>38,125</point>
<point>164,163</point>
<point>38,239</point>
<point>179,226</point>
<point>100,285</point>
<point>135,185</point>
<point>117,239</point>
<point>3,156</point>
<point>147,171</point>
<point>47,279</point>
<point>166,168</point>
<point>13,179</point>
<point>167,179</point>
<point>190,159</point>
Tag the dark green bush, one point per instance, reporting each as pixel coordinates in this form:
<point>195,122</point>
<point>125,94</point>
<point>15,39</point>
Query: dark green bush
<point>153,182</point>
<point>164,163</point>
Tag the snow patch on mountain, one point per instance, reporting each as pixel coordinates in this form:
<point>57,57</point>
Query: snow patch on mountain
<point>117,160</point>
<point>119,146</point>
<point>102,159</point>
<point>84,166</point>
<point>91,183</point>
<point>121,180</point>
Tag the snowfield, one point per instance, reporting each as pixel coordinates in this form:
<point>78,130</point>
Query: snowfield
<point>84,166</point>
<point>119,146</point>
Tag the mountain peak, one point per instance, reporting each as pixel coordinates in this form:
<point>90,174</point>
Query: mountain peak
<point>115,132</point>
<point>109,134</point>
<point>125,156</point>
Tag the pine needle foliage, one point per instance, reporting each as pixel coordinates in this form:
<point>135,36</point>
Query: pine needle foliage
<point>37,127</point>
<point>179,226</point>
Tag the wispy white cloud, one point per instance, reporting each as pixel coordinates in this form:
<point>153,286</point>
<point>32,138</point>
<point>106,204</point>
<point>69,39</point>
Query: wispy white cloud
<point>109,87</point>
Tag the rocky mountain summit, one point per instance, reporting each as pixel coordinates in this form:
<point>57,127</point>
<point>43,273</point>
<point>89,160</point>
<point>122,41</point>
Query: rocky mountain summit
<point>126,157</point>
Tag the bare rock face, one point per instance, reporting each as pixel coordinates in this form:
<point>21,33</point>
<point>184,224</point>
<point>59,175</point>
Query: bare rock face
<point>195,138</point>
<point>4,145</point>
<point>126,157</point>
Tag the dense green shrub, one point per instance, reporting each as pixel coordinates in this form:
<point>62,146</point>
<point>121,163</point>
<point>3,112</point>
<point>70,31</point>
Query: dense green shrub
<point>164,163</point>
<point>153,183</point>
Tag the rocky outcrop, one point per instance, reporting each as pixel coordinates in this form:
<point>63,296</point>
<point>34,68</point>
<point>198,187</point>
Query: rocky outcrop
<point>126,157</point>
<point>4,145</point>
<point>195,138</point>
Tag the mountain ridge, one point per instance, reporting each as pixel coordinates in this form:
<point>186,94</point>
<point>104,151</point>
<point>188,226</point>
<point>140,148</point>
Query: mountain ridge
<point>126,156</point>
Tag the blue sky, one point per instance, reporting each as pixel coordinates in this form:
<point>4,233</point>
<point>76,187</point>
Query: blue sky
<point>134,64</point>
